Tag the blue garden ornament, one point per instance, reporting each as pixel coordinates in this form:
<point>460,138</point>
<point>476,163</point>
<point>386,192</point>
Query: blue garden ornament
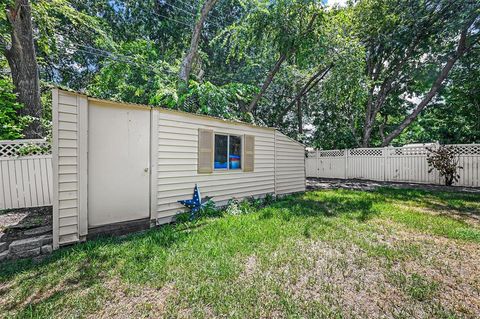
<point>196,203</point>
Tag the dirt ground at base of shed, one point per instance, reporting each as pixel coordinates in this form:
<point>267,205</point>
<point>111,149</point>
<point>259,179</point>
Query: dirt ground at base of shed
<point>16,224</point>
<point>369,185</point>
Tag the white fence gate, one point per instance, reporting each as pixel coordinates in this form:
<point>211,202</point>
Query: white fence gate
<point>399,164</point>
<point>25,181</point>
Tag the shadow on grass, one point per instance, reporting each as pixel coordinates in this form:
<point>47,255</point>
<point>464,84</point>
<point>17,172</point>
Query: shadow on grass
<point>355,207</point>
<point>440,201</point>
<point>85,261</point>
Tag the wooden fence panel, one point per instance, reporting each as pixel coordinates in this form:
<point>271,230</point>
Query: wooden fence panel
<point>25,179</point>
<point>397,164</point>
<point>25,182</point>
<point>311,164</point>
<point>365,163</point>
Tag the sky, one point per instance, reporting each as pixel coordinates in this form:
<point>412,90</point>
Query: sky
<point>337,2</point>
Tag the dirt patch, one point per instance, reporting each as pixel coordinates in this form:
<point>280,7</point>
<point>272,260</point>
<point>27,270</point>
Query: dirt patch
<point>441,279</point>
<point>367,185</point>
<point>451,263</point>
<point>250,266</point>
<point>25,222</point>
<point>132,301</point>
<point>349,281</point>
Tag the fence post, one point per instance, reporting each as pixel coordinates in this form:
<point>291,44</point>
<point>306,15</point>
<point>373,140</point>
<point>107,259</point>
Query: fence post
<point>346,164</point>
<point>385,151</point>
<point>317,162</point>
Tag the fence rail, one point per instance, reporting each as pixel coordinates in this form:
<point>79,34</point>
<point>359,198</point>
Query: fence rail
<point>25,180</point>
<point>399,164</point>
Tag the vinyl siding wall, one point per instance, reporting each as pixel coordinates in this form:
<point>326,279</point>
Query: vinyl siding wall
<point>69,166</point>
<point>289,165</point>
<point>177,153</point>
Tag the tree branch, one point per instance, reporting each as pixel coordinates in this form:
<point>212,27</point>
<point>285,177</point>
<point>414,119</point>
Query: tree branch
<point>313,81</point>
<point>277,66</point>
<point>376,100</point>
<point>436,86</point>
<point>187,63</point>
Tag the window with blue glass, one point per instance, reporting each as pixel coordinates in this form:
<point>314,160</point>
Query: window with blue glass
<point>228,152</point>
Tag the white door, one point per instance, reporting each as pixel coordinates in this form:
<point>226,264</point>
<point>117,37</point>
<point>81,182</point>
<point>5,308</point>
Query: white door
<point>118,161</point>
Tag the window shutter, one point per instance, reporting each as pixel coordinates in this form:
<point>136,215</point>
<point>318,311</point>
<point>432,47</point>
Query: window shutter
<point>205,151</point>
<point>249,153</point>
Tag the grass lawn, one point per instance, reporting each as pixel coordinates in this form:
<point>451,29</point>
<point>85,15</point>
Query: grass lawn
<point>324,254</point>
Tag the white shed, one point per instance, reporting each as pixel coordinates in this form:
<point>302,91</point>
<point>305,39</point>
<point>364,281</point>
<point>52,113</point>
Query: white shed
<point>116,164</point>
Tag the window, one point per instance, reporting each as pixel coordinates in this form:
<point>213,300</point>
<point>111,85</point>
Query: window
<point>221,151</point>
<point>228,152</point>
<point>235,152</point>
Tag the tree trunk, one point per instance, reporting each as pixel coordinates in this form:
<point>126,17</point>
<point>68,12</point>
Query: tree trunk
<point>276,68</point>
<point>437,85</point>
<point>23,65</point>
<point>312,82</point>
<point>368,125</point>
<point>187,63</point>
<point>367,130</point>
<point>267,82</point>
<point>300,116</point>
<point>378,94</point>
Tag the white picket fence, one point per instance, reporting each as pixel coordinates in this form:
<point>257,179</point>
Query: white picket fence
<point>398,164</point>
<point>25,181</point>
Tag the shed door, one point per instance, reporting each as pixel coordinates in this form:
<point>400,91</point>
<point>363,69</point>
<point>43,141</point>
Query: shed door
<point>118,161</point>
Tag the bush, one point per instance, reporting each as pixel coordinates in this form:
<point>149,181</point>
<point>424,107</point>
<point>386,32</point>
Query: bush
<point>10,125</point>
<point>209,209</point>
<point>233,207</point>
<point>445,161</point>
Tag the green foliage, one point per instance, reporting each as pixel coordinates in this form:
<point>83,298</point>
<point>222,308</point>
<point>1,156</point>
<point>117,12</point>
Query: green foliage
<point>210,209</point>
<point>144,78</point>
<point>131,51</point>
<point>444,159</point>
<point>10,123</point>
<point>33,149</point>
<point>222,101</point>
<point>233,207</point>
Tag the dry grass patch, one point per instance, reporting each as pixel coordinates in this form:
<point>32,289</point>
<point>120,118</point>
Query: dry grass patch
<point>134,301</point>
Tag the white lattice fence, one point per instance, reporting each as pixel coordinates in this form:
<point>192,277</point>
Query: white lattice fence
<point>403,164</point>
<point>25,174</point>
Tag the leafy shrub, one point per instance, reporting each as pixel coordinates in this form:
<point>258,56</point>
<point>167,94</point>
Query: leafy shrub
<point>254,202</point>
<point>445,161</point>
<point>248,205</point>
<point>182,217</point>
<point>236,207</point>
<point>233,207</point>
<point>268,199</point>
<point>209,209</point>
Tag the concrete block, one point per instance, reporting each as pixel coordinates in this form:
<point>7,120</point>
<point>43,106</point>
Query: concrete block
<point>47,240</point>
<point>4,255</point>
<point>46,249</point>
<point>26,253</point>
<point>26,244</point>
<point>38,231</point>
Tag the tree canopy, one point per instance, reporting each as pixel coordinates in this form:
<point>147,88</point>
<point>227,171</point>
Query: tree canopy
<point>370,73</point>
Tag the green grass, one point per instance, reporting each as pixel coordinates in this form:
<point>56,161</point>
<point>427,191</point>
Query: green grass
<point>327,254</point>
